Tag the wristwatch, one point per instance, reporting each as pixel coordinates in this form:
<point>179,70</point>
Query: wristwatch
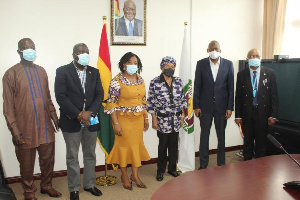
<point>92,114</point>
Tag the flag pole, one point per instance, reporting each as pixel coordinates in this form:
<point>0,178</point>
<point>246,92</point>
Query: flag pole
<point>177,169</point>
<point>106,180</point>
<point>186,157</point>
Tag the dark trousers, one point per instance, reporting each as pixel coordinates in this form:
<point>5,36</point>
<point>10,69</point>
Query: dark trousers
<point>220,125</point>
<point>167,141</point>
<point>255,129</point>
<point>26,158</point>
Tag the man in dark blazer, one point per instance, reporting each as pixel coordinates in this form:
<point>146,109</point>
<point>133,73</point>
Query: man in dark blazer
<point>128,25</point>
<point>213,99</point>
<point>256,104</point>
<point>79,93</point>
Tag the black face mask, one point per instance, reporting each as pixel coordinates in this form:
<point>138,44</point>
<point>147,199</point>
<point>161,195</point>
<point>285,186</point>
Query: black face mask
<point>169,72</point>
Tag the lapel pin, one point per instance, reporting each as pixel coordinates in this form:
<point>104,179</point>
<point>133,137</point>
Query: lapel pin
<point>265,74</point>
<point>90,72</point>
<point>265,81</point>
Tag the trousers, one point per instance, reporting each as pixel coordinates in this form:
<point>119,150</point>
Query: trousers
<point>88,141</point>
<point>167,142</point>
<point>26,158</point>
<point>220,125</point>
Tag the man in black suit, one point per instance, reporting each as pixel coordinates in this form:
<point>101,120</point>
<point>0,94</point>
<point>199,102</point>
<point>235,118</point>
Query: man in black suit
<point>256,104</point>
<point>79,93</point>
<point>128,25</point>
<point>213,99</point>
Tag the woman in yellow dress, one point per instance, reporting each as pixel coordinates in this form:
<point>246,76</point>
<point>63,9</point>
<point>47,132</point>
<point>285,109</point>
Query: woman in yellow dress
<point>127,107</point>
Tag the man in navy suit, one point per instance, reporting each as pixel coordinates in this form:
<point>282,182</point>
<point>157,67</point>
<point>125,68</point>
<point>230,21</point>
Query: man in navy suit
<point>213,99</point>
<point>79,93</point>
<point>256,104</point>
<point>128,25</point>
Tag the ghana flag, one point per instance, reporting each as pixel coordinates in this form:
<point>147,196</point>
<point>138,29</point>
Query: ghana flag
<point>105,135</point>
<point>117,9</point>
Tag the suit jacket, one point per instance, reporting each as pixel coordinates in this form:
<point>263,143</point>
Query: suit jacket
<point>266,97</point>
<point>121,29</point>
<point>71,98</point>
<point>212,96</point>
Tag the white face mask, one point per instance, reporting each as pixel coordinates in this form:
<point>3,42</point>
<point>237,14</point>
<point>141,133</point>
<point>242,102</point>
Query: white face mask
<point>214,54</point>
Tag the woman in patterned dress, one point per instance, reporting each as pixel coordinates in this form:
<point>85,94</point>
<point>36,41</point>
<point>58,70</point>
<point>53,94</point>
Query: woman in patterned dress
<point>127,107</point>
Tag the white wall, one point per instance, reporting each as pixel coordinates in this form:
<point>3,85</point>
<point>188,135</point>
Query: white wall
<point>56,26</point>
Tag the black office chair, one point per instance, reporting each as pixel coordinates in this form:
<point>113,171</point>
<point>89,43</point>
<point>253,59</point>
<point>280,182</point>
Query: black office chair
<point>6,192</point>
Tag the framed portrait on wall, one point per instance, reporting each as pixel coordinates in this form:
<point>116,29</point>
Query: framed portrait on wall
<point>128,22</point>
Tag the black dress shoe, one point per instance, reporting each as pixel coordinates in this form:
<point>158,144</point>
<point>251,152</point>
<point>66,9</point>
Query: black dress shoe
<point>175,174</point>
<point>94,191</point>
<point>201,168</point>
<point>74,195</point>
<point>160,176</point>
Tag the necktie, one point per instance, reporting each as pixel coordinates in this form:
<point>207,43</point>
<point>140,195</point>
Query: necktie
<point>130,29</point>
<point>254,86</point>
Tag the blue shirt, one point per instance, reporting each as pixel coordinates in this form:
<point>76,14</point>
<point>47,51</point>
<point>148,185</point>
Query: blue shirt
<point>257,76</point>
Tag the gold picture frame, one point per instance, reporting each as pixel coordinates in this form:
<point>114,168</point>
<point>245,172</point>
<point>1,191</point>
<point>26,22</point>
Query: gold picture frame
<point>128,22</point>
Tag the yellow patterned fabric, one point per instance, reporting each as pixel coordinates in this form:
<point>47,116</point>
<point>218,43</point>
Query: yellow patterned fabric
<point>129,148</point>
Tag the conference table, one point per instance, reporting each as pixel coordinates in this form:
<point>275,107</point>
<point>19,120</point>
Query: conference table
<point>257,179</point>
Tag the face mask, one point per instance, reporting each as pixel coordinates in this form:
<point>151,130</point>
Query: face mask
<point>169,72</point>
<point>29,54</point>
<point>255,62</point>
<point>83,59</point>
<point>214,54</point>
<point>131,69</point>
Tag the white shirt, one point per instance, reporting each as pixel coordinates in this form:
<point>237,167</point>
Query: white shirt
<point>214,68</point>
<point>127,23</point>
<point>82,78</point>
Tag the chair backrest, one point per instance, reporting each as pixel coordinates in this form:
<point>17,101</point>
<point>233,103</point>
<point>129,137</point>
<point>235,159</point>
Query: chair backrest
<point>6,193</point>
<point>2,178</point>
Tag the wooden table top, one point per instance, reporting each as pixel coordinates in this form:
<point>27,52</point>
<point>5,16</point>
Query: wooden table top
<point>258,179</point>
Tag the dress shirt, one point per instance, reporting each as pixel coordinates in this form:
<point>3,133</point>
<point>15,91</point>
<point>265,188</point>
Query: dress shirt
<point>215,68</point>
<point>257,76</point>
<point>82,77</point>
<point>127,23</point>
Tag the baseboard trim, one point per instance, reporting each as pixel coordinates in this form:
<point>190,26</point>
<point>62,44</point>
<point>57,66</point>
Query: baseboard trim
<point>62,173</point>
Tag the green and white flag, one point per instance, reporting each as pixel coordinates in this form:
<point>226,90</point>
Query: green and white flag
<point>186,161</point>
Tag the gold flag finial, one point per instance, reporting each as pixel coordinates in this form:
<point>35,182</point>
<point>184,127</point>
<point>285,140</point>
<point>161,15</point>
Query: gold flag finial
<point>185,23</point>
<point>104,19</point>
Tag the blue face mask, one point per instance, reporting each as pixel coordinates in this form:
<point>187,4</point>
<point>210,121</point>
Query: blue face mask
<point>255,62</point>
<point>29,54</point>
<point>83,59</point>
<point>131,69</point>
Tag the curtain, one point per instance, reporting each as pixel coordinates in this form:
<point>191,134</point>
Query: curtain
<point>273,27</point>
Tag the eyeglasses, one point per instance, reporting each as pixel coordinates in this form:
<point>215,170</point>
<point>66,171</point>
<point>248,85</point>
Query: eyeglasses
<point>129,9</point>
<point>254,56</point>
